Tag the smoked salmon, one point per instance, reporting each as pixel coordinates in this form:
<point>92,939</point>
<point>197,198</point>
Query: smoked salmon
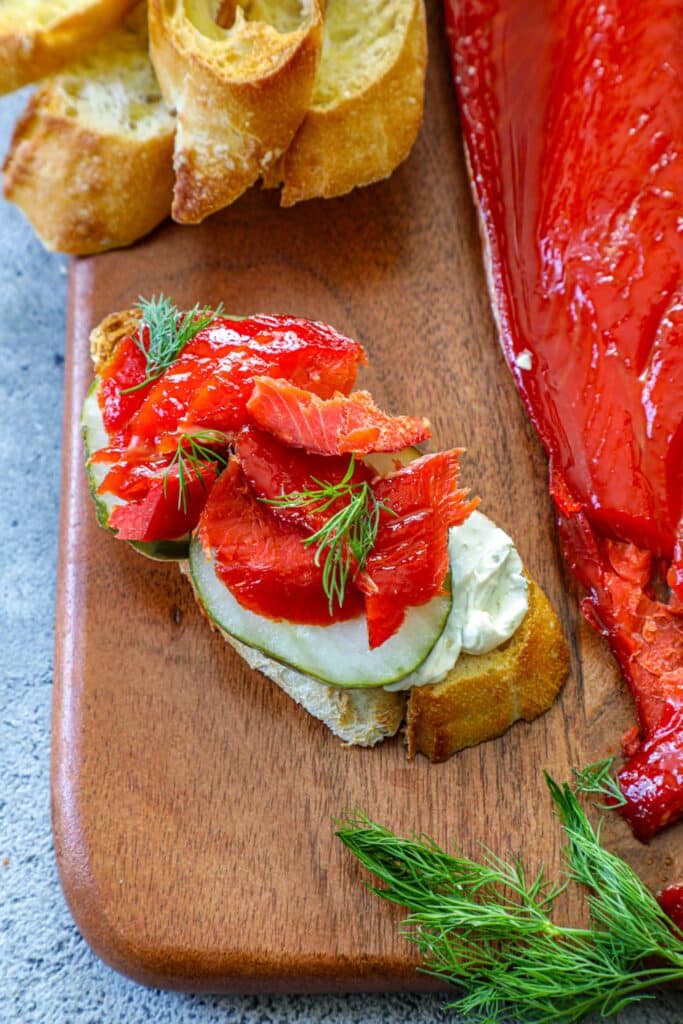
<point>409,563</point>
<point>407,566</point>
<point>250,433</point>
<point>571,113</point>
<point>263,560</point>
<point>274,470</point>
<point>205,388</point>
<point>334,426</point>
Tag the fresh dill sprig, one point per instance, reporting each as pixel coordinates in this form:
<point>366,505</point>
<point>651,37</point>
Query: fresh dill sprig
<point>349,535</point>
<point>597,779</point>
<point>168,332</point>
<point>487,929</point>
<point>194,453</point>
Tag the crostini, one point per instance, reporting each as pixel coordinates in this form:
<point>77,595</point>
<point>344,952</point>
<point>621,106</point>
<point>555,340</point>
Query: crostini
<point>240,78</point>
<point>330,552</point>
<point>367,102</point>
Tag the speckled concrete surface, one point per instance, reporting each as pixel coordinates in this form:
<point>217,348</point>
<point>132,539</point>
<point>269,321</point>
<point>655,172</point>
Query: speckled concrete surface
<point>47,973</point>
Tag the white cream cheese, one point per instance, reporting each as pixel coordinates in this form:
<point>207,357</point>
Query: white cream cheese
<point>490,599</point>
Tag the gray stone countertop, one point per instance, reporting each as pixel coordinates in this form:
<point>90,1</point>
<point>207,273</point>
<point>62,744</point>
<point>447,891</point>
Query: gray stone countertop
<point>47,973</point>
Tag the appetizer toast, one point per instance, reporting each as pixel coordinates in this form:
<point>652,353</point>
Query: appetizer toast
<point>333,555</point>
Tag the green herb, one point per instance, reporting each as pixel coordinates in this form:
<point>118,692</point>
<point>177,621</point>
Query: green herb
<point>348,536</point>
<point>193,456</point>
<point>487,929</point>
<point>169,332</point>
<point>598,779</point>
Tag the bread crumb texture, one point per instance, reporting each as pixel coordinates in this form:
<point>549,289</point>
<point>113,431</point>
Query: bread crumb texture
<point>367,103</point>
<point>37,37</point>
<point>91,158</point>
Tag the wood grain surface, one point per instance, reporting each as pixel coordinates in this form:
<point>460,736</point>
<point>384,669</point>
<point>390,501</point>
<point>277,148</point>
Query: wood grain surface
<point>193,802</point>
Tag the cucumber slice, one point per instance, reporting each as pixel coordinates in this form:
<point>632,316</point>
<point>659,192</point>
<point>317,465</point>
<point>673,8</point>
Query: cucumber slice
<point>94,438</point>
<point>337,654</point>
<point>163,550</point>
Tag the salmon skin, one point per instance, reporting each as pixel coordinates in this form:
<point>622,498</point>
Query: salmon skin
<point>572,115</point>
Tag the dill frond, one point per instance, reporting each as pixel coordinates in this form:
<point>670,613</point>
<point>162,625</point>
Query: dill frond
<point>487,929</point>
<point>195,452</point>
<point>164,332</point>
<point>597,779</point>
<point>348,537</point>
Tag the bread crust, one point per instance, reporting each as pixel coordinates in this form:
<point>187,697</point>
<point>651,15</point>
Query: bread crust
<point>358,717</point>
<point>485,694</point>
<point>109,332</point>
<point>231,126</point>
<point>86,190</point>
<point>31,49</point>
<point>366,136</point>
<point>82,192</point>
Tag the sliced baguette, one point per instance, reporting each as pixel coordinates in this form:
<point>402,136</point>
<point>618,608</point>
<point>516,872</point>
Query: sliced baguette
<point>109,332</point>
<point>358,717</point>
<point>367,103</point>
<point>240,92</point>
<point>485,694</point>
<point>37,37</point>
<point>91,158</point>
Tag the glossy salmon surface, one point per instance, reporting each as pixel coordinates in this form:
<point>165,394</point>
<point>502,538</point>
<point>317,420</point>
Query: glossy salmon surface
<point>572,114</point>
<point>202,394</point>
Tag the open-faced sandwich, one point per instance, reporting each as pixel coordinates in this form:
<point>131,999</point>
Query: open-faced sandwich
<point>330,552</point>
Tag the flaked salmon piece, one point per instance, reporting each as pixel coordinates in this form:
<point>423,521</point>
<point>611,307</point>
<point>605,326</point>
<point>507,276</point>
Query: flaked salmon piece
<point>262,560</point>
<point>428,482</point>
<point>206,389</point>
<point>209,383</point>
<point>334,426</point>
<point>164,510</point>
<point>274,471</point>
<point>409,563</point>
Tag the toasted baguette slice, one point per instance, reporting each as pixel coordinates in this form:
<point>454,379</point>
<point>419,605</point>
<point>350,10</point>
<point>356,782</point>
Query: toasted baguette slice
<point>91,158</point>
<point>485,694</point>
<point>367,103</point>
<point>358,717</point>
<point>240,92</point>
<point>38,37</point>
<point>480,699</point>
<point>109,332</point>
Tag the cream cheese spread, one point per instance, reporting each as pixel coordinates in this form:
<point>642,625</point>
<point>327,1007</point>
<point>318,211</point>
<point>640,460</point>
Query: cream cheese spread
<point>490,599</point>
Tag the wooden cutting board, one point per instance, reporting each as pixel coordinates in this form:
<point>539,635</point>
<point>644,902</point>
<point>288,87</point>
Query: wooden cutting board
<point>193,802</point>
